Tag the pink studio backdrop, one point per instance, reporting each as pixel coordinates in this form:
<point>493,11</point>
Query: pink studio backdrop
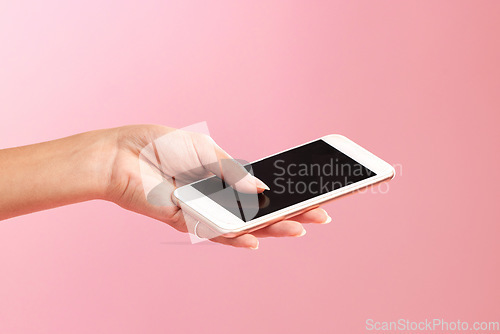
<point>416,82</point>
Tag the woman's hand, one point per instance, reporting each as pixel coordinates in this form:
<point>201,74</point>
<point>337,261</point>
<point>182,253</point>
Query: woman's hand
<point>182,157</point>
<point>128,165</point>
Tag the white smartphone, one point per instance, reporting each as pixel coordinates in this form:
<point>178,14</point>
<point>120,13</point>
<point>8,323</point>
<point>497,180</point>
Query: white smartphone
<point>300,179</point>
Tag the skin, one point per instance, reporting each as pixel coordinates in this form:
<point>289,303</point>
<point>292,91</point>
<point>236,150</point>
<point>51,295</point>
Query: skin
<point>105,164</point>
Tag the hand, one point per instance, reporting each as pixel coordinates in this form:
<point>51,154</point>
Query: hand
<point>183,157</point>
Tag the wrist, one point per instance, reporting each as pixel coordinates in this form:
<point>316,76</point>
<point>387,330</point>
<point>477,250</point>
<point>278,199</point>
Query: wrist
<point>55,173</point>
<point>97,158</point>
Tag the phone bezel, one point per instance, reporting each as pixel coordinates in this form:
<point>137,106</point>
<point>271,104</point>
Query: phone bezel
<point>223,221</point>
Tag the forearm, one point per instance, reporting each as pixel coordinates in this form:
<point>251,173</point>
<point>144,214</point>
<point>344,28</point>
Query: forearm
<point>54,173</point>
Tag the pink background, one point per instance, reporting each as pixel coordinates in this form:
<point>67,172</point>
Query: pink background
<point>416,82</point>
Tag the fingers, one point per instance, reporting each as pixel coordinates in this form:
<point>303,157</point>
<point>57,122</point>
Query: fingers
<point>315,216</point>
<point>248,184</point>
<point>284,228</point>
<point>293,227</point>
<point>217,161</point>
<point>245,241</point>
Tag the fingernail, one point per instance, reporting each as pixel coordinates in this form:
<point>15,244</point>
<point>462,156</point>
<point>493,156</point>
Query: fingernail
<point>328,220</point>
<point>256,246</point>
<point>260,184</point>
<point>250,182</point>
<point>302,233</point>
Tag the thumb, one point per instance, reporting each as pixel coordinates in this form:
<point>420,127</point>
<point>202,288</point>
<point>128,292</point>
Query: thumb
<point>217,161</point>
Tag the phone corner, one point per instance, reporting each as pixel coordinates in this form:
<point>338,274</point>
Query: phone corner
<point>392,171</point>
<point>335,135</point>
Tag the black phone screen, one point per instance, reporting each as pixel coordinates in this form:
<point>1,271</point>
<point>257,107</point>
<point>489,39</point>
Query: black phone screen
<point>293,176</point>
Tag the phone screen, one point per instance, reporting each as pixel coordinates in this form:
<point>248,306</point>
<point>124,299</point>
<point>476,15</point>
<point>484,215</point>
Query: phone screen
<point>293,176</point>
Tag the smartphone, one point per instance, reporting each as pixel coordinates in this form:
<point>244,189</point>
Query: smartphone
<point>300,179</point>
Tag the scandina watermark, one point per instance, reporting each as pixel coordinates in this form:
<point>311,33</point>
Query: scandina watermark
<point>320,178</point>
